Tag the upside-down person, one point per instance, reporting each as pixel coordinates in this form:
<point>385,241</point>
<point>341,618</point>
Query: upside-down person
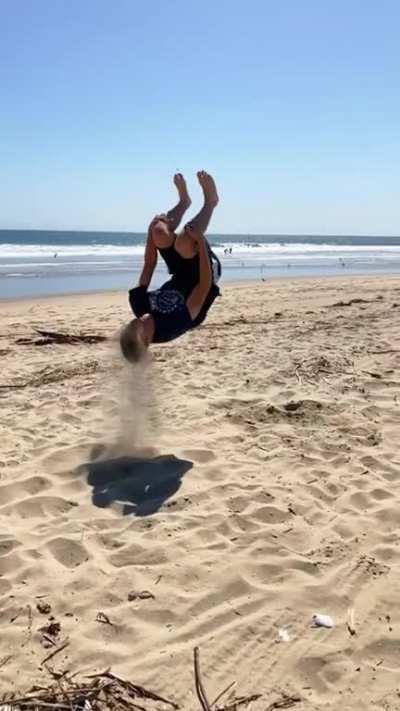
<point>182,303</point>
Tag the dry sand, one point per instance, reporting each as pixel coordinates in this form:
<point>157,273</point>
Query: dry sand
<point>248,478</point>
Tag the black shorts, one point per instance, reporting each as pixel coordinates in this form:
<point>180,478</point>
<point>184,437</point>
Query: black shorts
<point>171,316</point>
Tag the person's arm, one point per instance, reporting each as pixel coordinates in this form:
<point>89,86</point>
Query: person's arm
<point>196,299</point>
<point>150,261</point>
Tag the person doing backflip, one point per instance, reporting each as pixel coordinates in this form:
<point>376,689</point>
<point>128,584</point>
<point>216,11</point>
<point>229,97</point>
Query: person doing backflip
<point>182,303</point>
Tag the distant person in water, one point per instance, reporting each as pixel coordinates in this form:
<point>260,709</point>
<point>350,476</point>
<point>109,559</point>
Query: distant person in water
<point>182,303</point>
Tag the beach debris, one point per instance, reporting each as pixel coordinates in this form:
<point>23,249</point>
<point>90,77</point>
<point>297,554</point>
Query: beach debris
<point>104,691</point>
<point>353,301</point>
<point>98,692</point>
<point>43,607</point>
<point>53,337</point>
<point>202,696</point>
<point>323,621</point>
<point>223,693</point>
<point>15,617</point>
<point>284,634</point>
<point>140,595</point>
<point>350,622</point>
<point>377,376</point>
<point>101,617</point>
<point>47,641</point>
<point>387,350</point>
<point>286,702</point>
<point>53,629</point>
<point>5,660</point>
<point>56,651</point>
<point>292,406</point>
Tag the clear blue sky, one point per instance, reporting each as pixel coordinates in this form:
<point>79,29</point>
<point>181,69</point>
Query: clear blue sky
<point>294,105</point>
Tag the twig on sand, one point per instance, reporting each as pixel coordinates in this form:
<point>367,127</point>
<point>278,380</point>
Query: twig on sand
<point>56,651</point>
<point>388,350</point>
<point>201,694</point>
<point>222,694</point>
<point>49,639</point>
<point>350,622</point>
<point>18,385</point>
<point>239,701</point>
<point>12,619</point>
<point>5,660</point>
<point>285,703</point>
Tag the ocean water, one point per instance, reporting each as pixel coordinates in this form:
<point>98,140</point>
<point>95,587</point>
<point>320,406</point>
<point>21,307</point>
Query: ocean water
<point>35,262</point>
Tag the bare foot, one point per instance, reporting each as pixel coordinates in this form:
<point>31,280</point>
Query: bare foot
<point>180,184</point>
<point>209,188</point>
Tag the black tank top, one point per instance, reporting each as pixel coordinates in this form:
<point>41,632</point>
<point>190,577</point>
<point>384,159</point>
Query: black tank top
<point>184,270</point>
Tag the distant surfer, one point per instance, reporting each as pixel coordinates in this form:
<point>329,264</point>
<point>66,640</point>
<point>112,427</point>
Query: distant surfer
<point>182,303</point>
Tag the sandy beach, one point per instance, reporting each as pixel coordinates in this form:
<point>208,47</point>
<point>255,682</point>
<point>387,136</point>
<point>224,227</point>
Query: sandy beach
<point>243,480</point>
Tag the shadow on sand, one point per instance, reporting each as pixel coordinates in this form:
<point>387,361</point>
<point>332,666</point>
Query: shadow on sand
<point>141,485</point>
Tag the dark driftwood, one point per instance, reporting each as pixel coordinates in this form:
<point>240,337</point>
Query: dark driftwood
<point>388,350</point>
<point>19,385</point>
<point>353,301</point>
<point>54,337</point>
<point>286,702</point>
<point>201,694</point>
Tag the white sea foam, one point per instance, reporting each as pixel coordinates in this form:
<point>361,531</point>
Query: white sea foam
<point>239,250</point>
<point>32,251</point>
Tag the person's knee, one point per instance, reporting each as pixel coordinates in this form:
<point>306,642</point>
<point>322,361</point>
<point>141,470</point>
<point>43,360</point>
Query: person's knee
<point>160,233</point>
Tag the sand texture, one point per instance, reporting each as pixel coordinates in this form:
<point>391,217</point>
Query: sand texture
<point>220,495</point>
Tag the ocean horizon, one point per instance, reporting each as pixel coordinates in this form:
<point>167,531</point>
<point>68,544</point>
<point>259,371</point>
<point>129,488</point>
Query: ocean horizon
<point>45,262</point>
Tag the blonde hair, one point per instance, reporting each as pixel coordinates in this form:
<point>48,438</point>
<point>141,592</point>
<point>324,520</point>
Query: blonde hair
<point>132,346</point>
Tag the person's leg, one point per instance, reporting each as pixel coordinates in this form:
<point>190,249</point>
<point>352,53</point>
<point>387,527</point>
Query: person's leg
<point>200,223</point>
<point>175,215</point>
<point>184,244</point>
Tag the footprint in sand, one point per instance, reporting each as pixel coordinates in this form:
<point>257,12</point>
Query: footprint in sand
<point>67,552</point>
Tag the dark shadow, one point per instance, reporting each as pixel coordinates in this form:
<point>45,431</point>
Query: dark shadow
<point>141,485</point>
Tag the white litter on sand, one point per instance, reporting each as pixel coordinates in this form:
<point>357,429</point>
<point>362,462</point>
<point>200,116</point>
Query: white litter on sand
<point>284,635</point>
<point>323,621</point>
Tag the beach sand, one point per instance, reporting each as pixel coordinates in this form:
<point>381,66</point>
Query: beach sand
<point>246,478</point>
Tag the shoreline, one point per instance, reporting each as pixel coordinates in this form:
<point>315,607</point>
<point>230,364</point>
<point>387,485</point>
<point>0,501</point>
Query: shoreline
<point>234,284</point>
